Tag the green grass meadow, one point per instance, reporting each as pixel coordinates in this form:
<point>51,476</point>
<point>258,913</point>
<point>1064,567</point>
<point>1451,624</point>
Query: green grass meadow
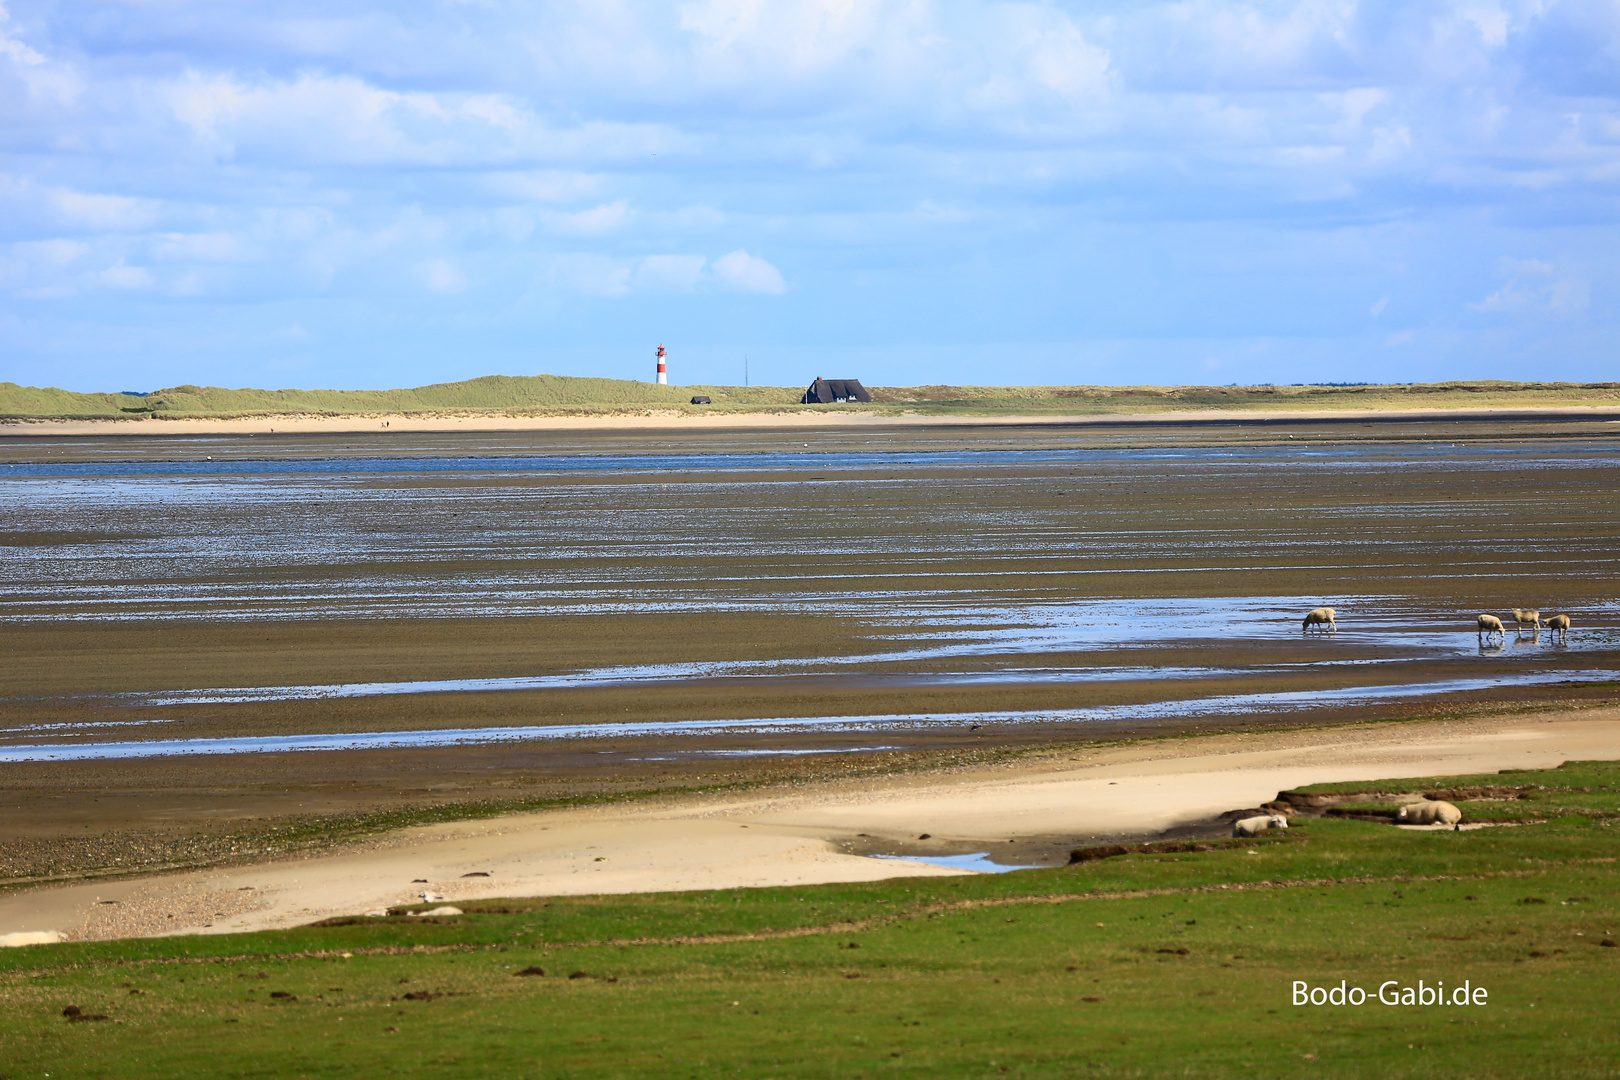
<point>1147,964</point>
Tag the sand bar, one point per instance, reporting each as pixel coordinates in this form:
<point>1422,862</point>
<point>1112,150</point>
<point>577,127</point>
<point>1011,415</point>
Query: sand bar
<point>794,835</point>
<point>787,419</point>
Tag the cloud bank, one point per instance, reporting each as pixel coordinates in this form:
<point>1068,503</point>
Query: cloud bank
<point>1183,191</point>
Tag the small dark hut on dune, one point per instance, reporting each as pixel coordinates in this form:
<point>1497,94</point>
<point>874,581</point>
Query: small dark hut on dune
<point>828,391</point>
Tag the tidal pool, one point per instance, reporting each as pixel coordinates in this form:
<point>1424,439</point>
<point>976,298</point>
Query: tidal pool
<point>979,862</point>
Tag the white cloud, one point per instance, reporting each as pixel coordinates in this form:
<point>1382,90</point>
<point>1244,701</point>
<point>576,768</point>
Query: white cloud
<point>48,292</point>
<point>1534,284</point>
<point>1490,21</point>
<point>597,221</point>
<point>210,247</point>
<point>97,211</point>
<point>1032,58</point>
<point>745,273</point>
<point>14,47</point>
<point>343,119</point>
<point>544,185</point>
<point>54,252</point>
<point>1379,305</point>
<point>693,219</point>
<point>737,271</point>
<point>119,276</point>
<point>591,275</point>
<point>340,118</point>
<point>669,273</point>
<point>443,276</point>
<point>799,40</point>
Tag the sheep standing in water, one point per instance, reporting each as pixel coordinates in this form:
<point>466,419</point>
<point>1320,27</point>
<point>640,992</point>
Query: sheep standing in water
<point>1489,626</point>
<point>1322,616</point>
<point>1559,625</point>
<point>1254,826</point>
<point>1521,616</point>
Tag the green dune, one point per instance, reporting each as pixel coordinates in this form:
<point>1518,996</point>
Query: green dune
<point>567,395</point>
<point>492,393</point>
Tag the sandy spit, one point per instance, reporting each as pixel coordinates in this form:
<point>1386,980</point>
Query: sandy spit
<point>791,835</point>
<point>676,419</point>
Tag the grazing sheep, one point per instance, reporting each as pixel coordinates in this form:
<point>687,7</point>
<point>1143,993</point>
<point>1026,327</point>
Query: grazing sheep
<point>1254,826</point>
<point>1559,625</point>
<point>1428,813</point>
<point>1522,616</point>
<point>1322,616</point>
<point>1490,625</point>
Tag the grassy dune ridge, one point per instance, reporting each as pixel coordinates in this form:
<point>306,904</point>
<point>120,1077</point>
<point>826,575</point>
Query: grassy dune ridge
<point>567,395</point>
<point>1144,964</point>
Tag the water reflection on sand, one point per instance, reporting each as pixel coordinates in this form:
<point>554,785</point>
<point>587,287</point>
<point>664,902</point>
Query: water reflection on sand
<point>1215,705</point>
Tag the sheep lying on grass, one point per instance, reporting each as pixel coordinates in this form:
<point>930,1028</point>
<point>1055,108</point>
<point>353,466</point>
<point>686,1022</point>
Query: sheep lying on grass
<point>1490,626</point>
<point>1254,826</point>
<point>31,937</point>
<point>1428,813</point>
<point>1322,617</point>
<point>1559,625</point>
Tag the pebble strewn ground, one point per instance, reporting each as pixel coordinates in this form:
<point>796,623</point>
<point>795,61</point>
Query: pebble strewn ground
<point>122,852</point>
<point>147,912</point>
<point>114,852</point>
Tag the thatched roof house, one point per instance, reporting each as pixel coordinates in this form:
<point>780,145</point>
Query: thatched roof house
<point>827,391</point>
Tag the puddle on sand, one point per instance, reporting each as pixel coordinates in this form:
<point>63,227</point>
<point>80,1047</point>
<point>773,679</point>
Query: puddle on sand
<point>979,862</point>
<point>684,674</point>
<point>1217,705</point>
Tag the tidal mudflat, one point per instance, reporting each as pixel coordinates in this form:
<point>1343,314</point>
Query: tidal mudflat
<point>204,631</point>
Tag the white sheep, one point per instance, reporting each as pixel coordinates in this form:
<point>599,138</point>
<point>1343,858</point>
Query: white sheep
<point>1254,826</point>
<point>1523,615</point>
<point>31,937</point>
<point>1428,813</point>
<point>1489,626</point>
<point>1322,616</point>
<point>1559,625</point>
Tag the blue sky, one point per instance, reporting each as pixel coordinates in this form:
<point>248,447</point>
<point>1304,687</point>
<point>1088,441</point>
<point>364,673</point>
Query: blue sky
<point>352,194</point>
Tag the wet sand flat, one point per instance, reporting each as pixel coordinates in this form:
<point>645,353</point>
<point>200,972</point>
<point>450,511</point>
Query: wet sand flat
<point>655,609</point>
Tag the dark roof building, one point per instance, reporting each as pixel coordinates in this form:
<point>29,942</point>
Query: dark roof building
<point>827,391</point>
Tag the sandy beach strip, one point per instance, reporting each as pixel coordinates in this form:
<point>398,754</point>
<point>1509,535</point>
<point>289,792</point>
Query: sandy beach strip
<point>787,418</point>
<point>795,835</point>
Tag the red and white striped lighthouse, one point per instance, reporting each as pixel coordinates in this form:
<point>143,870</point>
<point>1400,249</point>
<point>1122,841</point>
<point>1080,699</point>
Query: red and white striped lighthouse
<point>663,372</point>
